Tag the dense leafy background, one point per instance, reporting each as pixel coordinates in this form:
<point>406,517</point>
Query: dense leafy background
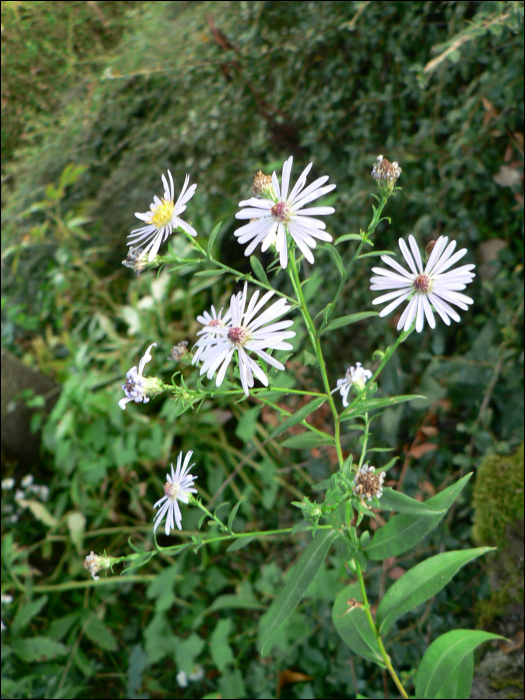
<point>98,100</point>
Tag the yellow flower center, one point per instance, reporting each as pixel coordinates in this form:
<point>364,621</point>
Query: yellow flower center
<point>163,214</point>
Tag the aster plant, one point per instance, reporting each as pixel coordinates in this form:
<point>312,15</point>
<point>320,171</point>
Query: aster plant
<point>241,353</point>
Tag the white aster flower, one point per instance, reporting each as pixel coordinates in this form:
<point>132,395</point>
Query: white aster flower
<point>209,333</point>
<point>272,218</point>
<point>139,388</point>
<point>163,218</point>
<point>246,333</point>
<point>8,483</point>
<point>431,287</point>
<point>355,376</point>
<point>27,480</point>
<point>178,487</point>
<point>7,599</point>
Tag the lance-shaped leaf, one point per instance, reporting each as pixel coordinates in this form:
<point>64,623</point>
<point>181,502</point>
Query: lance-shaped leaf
<point>421,583</point>
<point>307,441</point>
<point>441,673</point>
<point>352,625</point>
<point>402,532</point>
<point>401,503</point>
<point>301,576</point>
<point>258,269</point>
<point>347,320</point>
<point>213,236</point>
<point>297,417</point>
<point>372,404</point>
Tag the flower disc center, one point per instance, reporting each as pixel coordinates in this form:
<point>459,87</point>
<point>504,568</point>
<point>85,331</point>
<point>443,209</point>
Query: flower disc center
<point>171,490</point>
<point>238,336</point>
<point>422,284</point>
<point>164,213</point>
<point>216,323</point>
<point>280,211</point>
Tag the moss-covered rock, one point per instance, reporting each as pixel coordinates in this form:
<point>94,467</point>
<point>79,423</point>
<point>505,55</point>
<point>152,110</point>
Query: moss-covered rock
<point>498,521</point>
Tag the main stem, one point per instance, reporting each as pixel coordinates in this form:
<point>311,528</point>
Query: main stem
<point>316,344</point>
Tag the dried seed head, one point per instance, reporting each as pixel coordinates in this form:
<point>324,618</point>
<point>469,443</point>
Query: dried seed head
<point>262,184</point>
<point>368,484</point>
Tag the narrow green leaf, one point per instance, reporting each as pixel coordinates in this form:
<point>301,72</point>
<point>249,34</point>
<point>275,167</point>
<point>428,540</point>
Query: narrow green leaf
<point>297,417</point>
<point>209,273</point>
<point>400,503</point>
<point>402,532</point>
<point>375,253</point>
<point>336,259</point>
<point>444,660</point>
<point>301,576</point>
<point>258,269</point>
<point>351,237</point>
<point>232,515</point>
<point>26,613</point>
<point>421,583</point>
<point>373,404</point>
<point>213,236</point>
<point>38,649</point>
<point>100,634</point>
<point>307,441</point>
<point>240,543</point>
<point>351,624</point>
<point>347,320</point>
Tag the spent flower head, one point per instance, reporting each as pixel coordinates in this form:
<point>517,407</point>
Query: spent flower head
<point>281,211</point>
<point>263,186</point>
<point>95,563</point>
<point>179,351</point>
<point>385,174</point>
<point>435,287</point>
<point>139,388</point>
<point>163,218</point>
<point>355,377</point>
<point>135,260</point>
<point>368,483</point>
<point>244,332</point>
<point>178,487</point>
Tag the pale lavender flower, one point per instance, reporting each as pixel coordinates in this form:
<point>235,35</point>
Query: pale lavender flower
<point>247,332</point>
<point>208,334</point>
<point>272,218</point>
<point>163,218</point>
<point>430,289</point>
<point>178,487</point>
<point>139,388</point>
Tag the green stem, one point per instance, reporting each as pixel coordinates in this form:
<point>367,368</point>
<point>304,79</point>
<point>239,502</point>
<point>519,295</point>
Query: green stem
<point>366,433</point>
<point>316,344</point>
<point>201,505</point>
<point>366,608</point>
<point>365,236</point>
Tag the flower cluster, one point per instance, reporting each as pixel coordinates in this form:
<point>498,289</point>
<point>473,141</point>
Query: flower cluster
<point>368,483</point>
<point>241,331</point>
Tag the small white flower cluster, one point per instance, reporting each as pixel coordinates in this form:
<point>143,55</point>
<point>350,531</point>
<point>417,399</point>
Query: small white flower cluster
<point>28,490</point>
<point>139,388</point>
<point>197,673</point>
